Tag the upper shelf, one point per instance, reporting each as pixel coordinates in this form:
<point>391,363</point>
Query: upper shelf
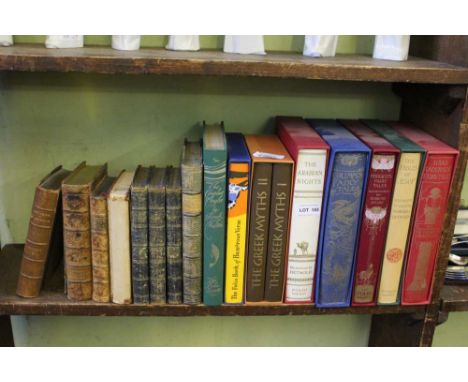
<point>36,58</point>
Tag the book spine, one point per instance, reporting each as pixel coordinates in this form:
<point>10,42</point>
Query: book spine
<point>305,225</point>
<point>238,192</point>
<point>100,249</point>
<point>343,216</point>
<point>430,209</point>
<point>192,233</point>
<point>258,231</point>
<point>157,245</point>
<point>278,231</point>
<point>373,229</point>
<point>398,227</point>
<point>174,246</point>
<point>214,232</point>
<point>119,251</point>
<point>77,242</point>
<point>139,237</point>
<point>37,244</point>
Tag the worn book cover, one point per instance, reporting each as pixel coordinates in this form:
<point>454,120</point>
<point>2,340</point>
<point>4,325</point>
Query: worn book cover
<point>76,191</point>
<point>100,239</point>
<point>139,235</point>
<point>406,183</point>
<point>272,171</point>
<point>157,234</point>
<point>238,202</point>
<point>174,236</point>
<point>214,213</point>
<point>310,153</point>
<point>341,219</point>
<point>39,245</point>
<point>376,212</point>
<point>430,208</point>
<point>118,206</point>
<point>192,184</point>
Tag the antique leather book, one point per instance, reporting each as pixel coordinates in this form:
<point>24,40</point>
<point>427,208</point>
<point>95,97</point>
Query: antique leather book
<point>45,215</point>
<point>310,153</point>
<point>76,191</point>
<point>237,213</point>
<point>214,213</point>
<point>118,206</point>
<point>139,235</point>
<point>100,240</point>
<point>376,212</point>
<point>404,191</point>
<point>430,208</point>
<point>174,236</point>
<point>258,230</point>
<point>192,183</point>
<point>269,217</point>
<point>342,205</point>
<point>157,234</point>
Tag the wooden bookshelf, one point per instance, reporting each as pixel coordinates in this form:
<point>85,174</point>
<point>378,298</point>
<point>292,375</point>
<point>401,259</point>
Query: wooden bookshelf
<point>433,92</point>
<point>105,60</point>
<point>454,298</point>
<point>52,301</point>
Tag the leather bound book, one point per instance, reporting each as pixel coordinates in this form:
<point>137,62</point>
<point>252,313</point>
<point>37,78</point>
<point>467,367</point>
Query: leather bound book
<point>258,230</point>
<point>236,227</point>
<point>214,213</point>
<point>139,235</point>
<point>157,234</point>
<point>272,169</point>
<point>404,191</point>
<point>76,191</point>
<point>310,153</point>
<point>118,207</point>
<point>44,218</point>
<point>430,208</point>
<point>174,236</point>
<point>100,240</point>
<point>341,219</point>
<point>192,181</point>
<point>376,212</point>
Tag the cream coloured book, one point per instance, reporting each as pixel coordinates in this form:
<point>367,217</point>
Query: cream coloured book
<point>398,227</point>
<point>310,152</point>
<point>119,239</point>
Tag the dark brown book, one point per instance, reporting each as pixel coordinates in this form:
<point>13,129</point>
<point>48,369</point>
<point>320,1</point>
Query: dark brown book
<point>100,240</point>
<point>42,223</point>
<point>278,232</point>
<point>76,191</point>
<point>258,231</point>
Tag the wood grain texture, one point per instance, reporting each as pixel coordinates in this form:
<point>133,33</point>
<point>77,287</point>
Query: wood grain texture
<point>454,298</point>
<point>36,58</point>
<point>54,302</point>
<point>449,49</point>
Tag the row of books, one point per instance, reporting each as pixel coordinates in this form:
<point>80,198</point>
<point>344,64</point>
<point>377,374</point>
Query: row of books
<point>335,213</point>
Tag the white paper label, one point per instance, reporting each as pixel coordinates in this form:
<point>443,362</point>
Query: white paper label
<point>308,209</point>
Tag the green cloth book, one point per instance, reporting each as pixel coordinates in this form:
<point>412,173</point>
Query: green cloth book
<point>214,213</point>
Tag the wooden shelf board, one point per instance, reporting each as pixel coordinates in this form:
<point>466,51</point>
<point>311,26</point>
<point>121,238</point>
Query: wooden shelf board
<point>32,58</point>
<point>52,301</point>
<point>454,298</point>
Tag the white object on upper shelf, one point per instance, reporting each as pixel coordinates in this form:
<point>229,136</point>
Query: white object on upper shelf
<point>64,41</point>
<point>6,40</point>
<point>320,45</point>
<point>394,47</point>
<point>126,42</point>
<point>244,44</point>
<point>183,42</point>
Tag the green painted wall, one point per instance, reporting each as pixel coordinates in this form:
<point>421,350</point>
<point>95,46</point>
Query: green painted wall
<point>48,119</point>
